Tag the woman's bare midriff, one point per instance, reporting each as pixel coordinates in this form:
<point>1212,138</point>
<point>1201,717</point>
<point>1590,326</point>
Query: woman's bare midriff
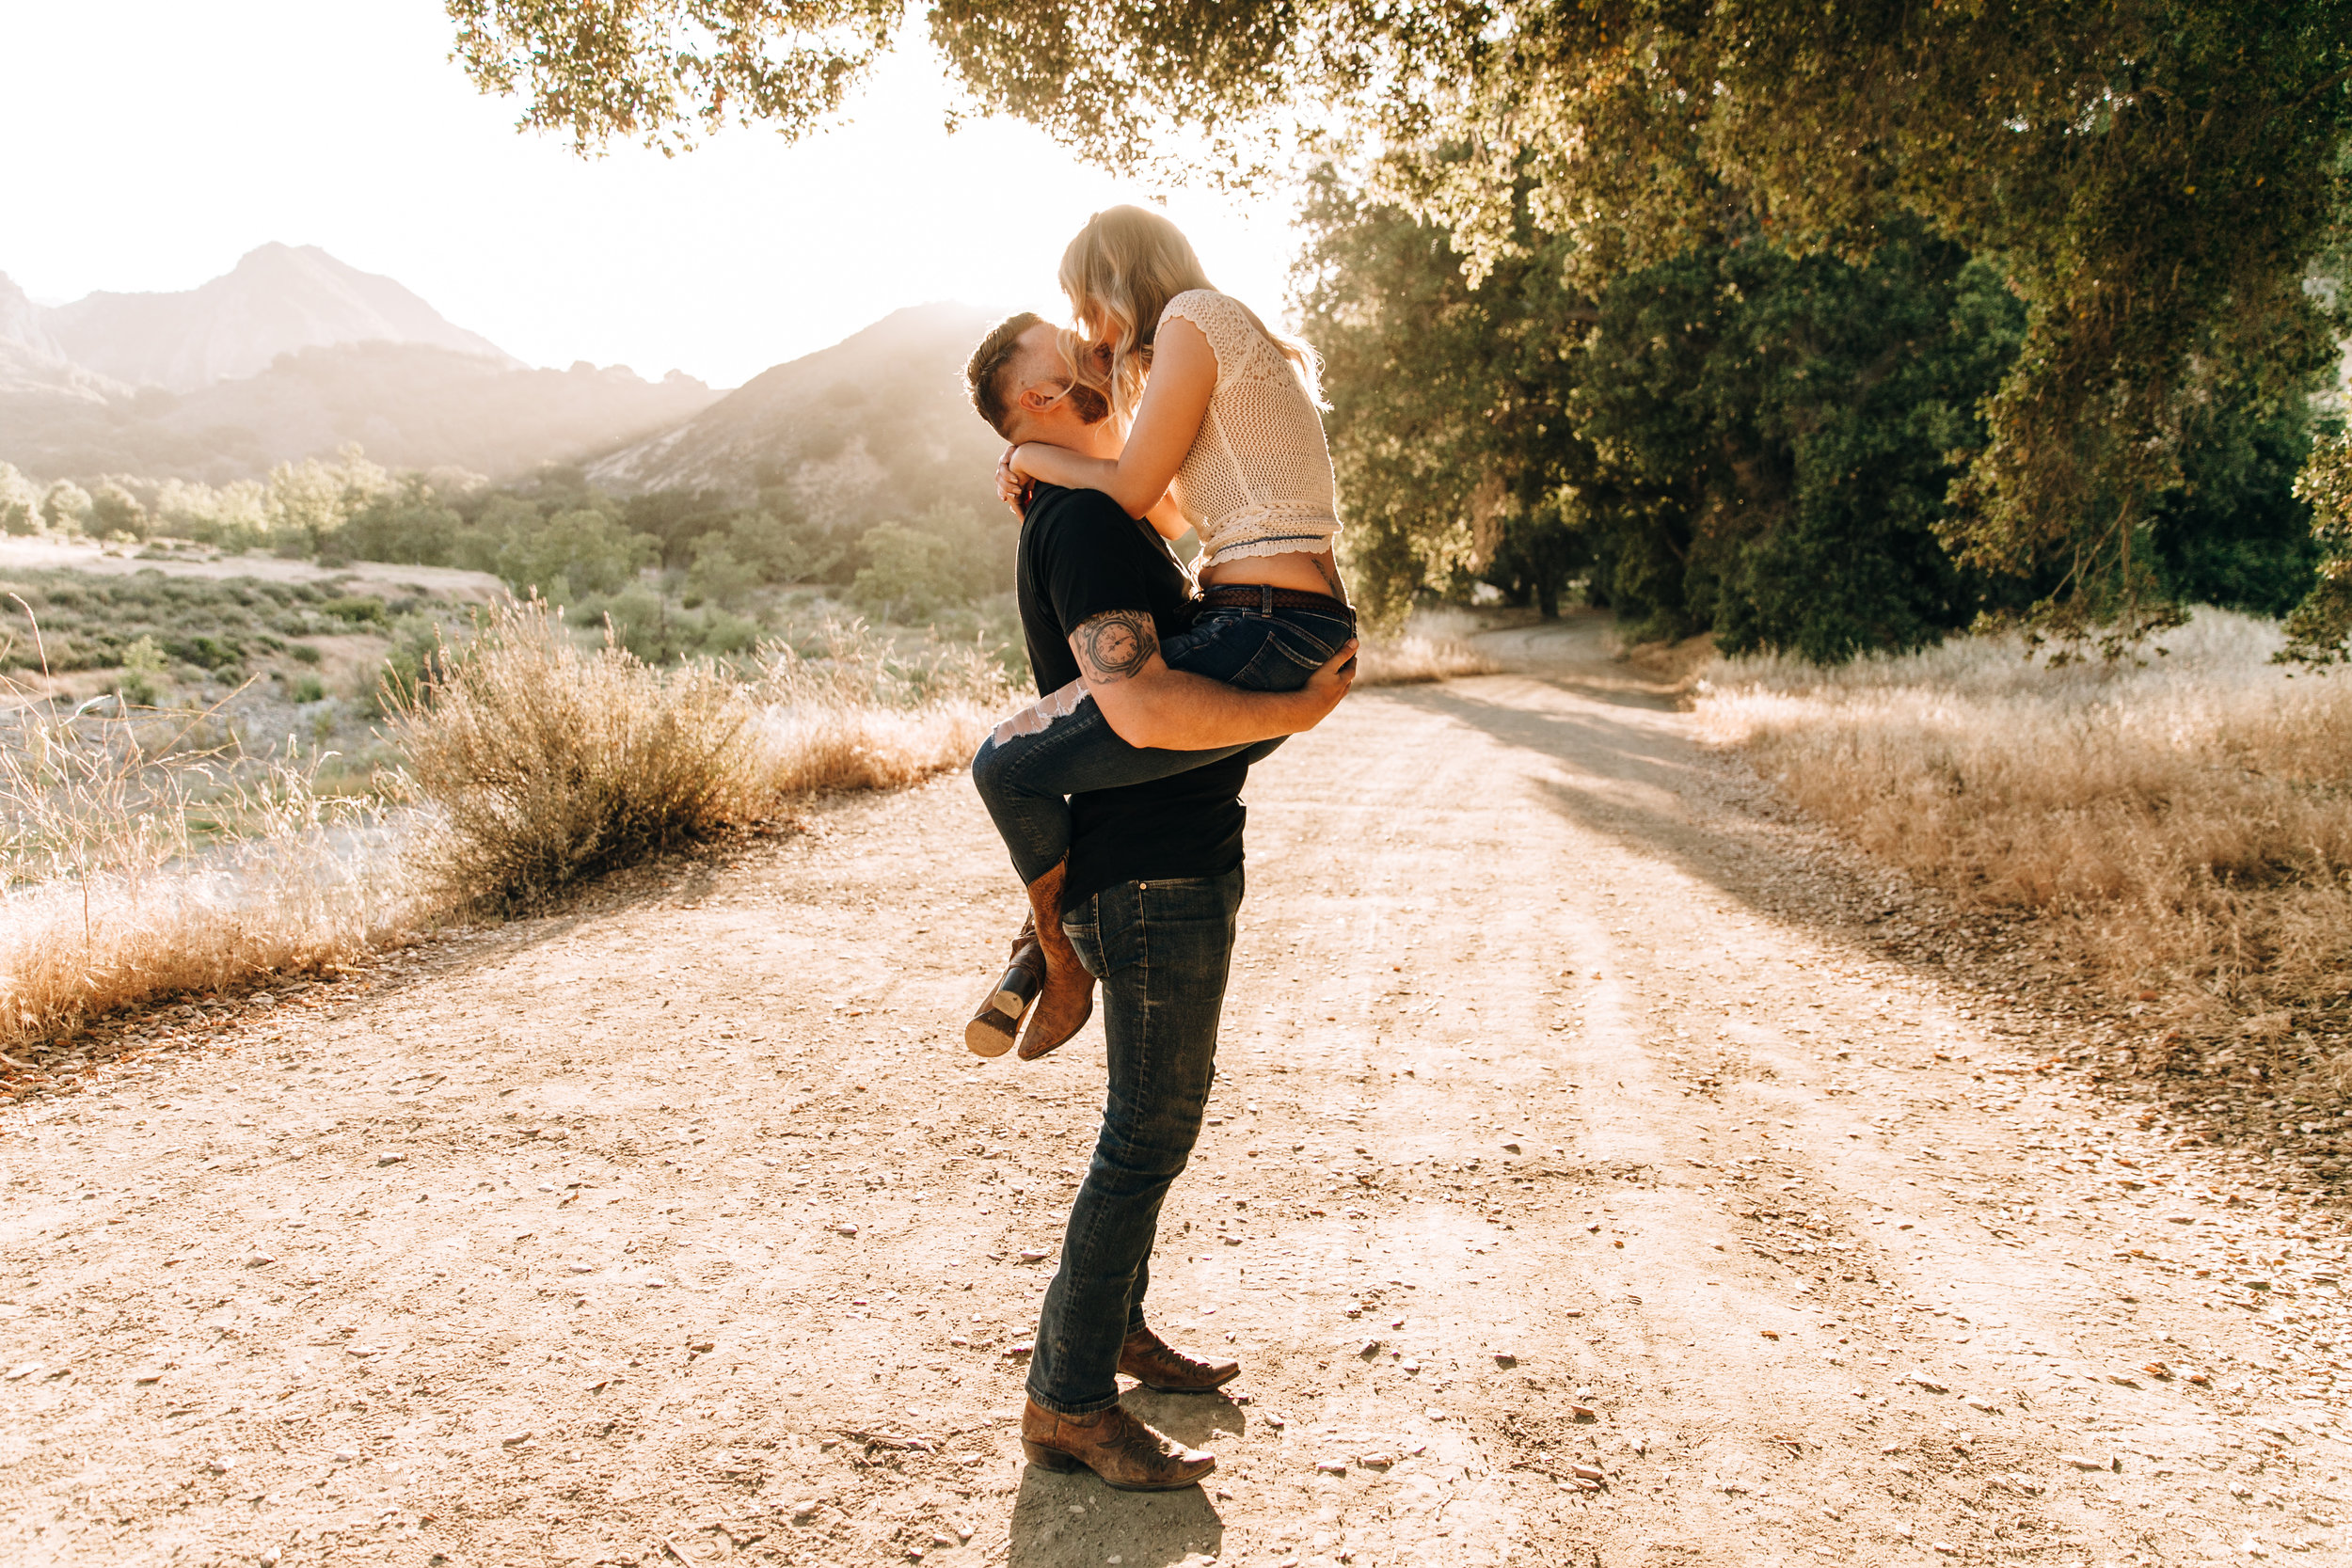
<point>1294,569</point>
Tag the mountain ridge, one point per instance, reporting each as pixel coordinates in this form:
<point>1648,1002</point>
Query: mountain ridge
<point>410,405</point>
<point>278,299</point>
<point>873,426</point>
<point>294,354</point>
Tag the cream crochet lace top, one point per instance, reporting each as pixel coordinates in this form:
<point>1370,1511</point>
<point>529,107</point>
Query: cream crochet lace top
<point>1258,479</point>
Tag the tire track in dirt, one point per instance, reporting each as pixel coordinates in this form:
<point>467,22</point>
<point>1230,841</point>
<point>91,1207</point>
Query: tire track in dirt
<point>703,1240</point>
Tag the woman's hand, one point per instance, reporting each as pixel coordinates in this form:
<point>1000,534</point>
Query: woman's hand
<point>1184,378</point>
<point>1012,486</point>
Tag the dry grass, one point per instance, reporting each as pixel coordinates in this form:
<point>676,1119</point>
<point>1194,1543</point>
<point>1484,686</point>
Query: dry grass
<point>857,715</point>
<point>1676,666</point>
<point>1433,645</point>
<point>542,764</point>
<point>145,857</point>
<point>2184,828</point>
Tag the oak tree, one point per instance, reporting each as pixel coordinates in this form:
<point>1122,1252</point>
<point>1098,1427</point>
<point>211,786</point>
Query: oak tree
<point>2154,179</point>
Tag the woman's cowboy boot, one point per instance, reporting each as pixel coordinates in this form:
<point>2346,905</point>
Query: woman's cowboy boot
<point>1067,1000</point>
<point>991,1030</point>
<point>1115,1445</point>
<point>1160,1367</point>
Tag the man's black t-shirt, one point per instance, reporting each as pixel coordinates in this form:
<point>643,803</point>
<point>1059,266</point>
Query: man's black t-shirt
<point>1081,556</point>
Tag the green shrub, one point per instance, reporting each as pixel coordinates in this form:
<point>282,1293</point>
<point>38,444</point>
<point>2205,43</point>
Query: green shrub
<point>418,642</point>
<point>571,554</point>
<point>205,652</point>
<point>718,575</point>
<point>723,635</point>
<point>358,609</point>
<point>912,575</point>
<point>142,664</point>
<point>85,622</point>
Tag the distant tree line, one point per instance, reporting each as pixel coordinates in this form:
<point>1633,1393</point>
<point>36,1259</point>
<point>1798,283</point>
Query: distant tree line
<point>673,572</point>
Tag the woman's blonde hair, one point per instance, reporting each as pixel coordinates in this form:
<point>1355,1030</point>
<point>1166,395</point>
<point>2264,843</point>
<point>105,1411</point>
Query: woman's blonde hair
<point>1119,274</point>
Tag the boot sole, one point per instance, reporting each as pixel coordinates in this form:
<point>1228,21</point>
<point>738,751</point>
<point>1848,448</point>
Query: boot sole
<point>1190,1387</point>
<point>985,1037</point>
<point>997,1024</point>
<point>1061,1463</point>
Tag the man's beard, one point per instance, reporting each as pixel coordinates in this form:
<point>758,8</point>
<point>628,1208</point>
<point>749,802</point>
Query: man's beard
<point>1090,406</point>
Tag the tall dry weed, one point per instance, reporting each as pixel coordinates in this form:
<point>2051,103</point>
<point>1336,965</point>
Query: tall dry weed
<point>542,764</point>
<point>144,855</point>
<point>2185,823</point>
<point>1432,645</point>
<point>855,713</point>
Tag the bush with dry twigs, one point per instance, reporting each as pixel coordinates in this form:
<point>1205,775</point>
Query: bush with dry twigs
<point>2182,826</point>
<point>540,764</point>
<point>145,854</point>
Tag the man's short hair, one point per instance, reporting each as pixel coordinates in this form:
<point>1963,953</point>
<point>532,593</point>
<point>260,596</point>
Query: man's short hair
<point>989,375</point>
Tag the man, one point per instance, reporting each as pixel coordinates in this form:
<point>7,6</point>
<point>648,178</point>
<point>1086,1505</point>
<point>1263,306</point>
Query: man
<point>1153,885</point>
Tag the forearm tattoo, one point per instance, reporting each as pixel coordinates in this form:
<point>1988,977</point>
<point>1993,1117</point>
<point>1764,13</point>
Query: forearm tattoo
<point>1114,647</point>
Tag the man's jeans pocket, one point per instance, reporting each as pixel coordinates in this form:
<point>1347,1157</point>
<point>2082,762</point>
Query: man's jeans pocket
<point>1084,926</point>
<point>1112,930</point>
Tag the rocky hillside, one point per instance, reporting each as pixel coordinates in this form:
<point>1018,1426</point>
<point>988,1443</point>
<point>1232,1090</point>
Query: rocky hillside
<point>33,366</point>
<point>22,324</point>
<point>878,418</point>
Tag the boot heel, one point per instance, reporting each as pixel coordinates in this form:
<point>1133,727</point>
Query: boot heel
<point>1015,991</point>
<point>994,1028</point>
<point>1049,1459</point>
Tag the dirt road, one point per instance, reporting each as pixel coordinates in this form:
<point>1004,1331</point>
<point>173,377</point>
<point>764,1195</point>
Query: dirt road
<point>1580,1191</point>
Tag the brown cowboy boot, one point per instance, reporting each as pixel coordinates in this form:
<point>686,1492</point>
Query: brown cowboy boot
<point>1160,1367</point>
<point>1115,1445</point>
<point>991,1029</point>
<point>1067,1002</point>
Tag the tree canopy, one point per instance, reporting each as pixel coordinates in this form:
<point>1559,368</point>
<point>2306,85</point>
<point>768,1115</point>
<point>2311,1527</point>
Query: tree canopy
<point>2154,180</point>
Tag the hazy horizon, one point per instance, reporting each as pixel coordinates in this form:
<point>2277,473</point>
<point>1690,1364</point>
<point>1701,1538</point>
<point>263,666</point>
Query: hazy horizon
<point>349,129</point>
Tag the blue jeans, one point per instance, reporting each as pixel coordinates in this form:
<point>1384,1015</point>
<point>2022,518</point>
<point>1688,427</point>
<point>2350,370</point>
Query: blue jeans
<point>1025,779</point>
<point>1161,950</point>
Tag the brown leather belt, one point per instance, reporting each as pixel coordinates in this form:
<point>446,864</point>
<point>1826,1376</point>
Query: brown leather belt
<point>1267,600</point>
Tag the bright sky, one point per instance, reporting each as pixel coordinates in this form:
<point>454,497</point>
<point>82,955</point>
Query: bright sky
<point>156,141</point>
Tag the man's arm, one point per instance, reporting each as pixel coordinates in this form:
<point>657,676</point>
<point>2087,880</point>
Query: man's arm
<point>1152,705</point>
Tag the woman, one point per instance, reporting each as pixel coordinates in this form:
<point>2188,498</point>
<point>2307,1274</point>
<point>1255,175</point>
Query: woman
<point>1223,436</point>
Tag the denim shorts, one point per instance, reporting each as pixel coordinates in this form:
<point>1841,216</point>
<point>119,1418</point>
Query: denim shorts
<point>1260,650</point>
